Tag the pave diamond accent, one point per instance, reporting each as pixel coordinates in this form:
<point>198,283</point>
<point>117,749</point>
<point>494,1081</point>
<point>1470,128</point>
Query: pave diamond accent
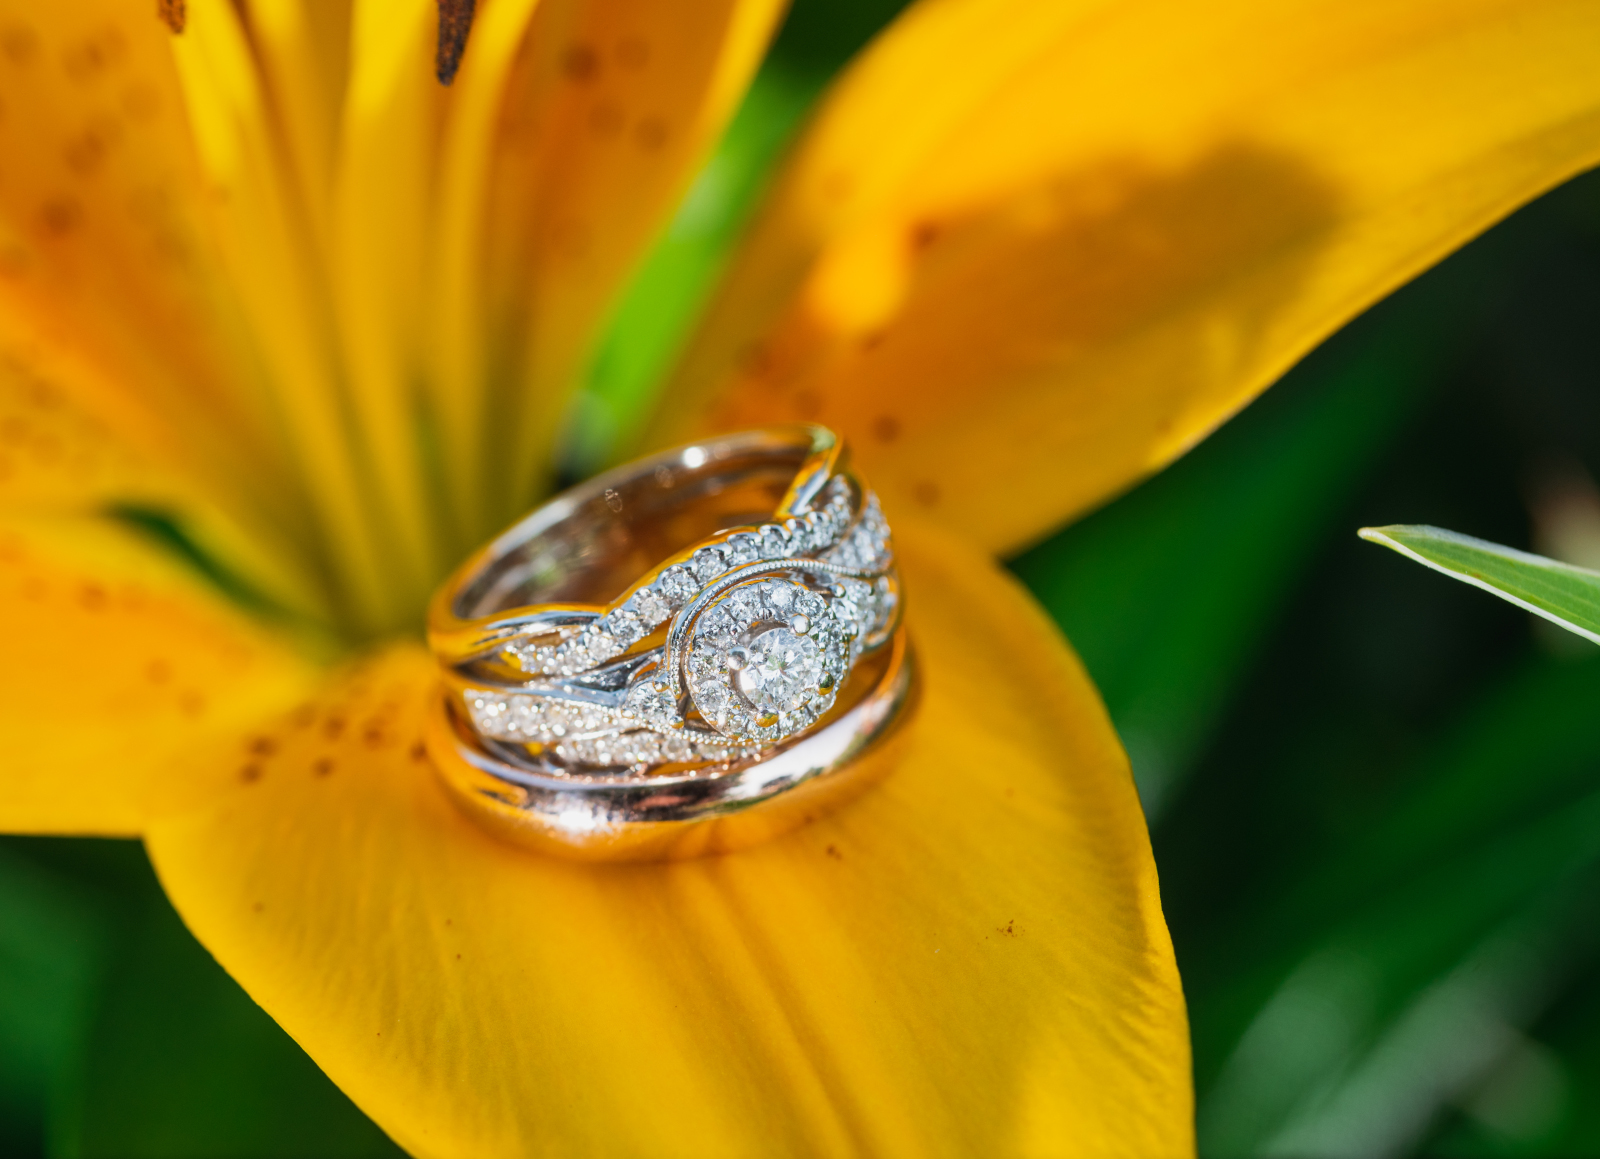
<point>643,749</point>
<point>678,587</point>
<point>867,544</point>
<point>526,719</point>
<point>588,734</point>
<point>827,530</point>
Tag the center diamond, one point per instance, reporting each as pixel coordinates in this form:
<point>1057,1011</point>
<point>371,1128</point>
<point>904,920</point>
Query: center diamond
<point>782,671</point>
<point>766,661</point>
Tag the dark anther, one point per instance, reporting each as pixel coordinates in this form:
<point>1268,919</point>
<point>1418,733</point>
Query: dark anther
<point>455,21</point>
<point>174,13</point>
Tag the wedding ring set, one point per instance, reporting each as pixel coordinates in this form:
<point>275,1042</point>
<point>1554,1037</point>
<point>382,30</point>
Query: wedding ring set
<point>687,654</point>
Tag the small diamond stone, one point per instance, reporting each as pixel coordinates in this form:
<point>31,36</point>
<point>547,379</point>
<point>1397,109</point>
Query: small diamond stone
<point>774,542</point>
<point>812,533</point>
<point>712,701</point>
<point>745,605</point>
<point>599,648</point>
<point>707,564</point>
<point>717,626</point>
<point>624,626</point>
<point>650,606</point>
<point>652,702</point>
<point>677,586</point>
<point>534,657</point>
<point>741,549</point>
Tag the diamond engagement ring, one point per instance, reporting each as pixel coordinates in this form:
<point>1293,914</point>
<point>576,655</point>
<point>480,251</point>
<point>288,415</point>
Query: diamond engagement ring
<point>688,654</point>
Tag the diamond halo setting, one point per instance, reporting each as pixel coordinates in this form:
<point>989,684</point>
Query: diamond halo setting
<point>767,658</point>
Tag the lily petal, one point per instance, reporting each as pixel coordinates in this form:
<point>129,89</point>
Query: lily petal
<point>423,266</point>
<point>970,958</point>
<point>1028,253</point>
<point>116,660</point>
<point>609,108</point>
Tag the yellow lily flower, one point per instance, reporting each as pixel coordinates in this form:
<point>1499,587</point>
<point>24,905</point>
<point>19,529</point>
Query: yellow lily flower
<point>260,269</point>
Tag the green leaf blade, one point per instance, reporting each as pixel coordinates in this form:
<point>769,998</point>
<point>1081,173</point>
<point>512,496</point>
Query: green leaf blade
<point>1561,593</point>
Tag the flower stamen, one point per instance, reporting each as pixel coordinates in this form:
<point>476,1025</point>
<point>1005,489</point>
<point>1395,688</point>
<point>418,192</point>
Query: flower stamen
<point>455,21</point>
<point>174,14</point>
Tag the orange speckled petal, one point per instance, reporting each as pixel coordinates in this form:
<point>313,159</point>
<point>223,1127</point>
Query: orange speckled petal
<point>54,457</point>
<point>969,959</point>
<point>115,660</point>
<point>105,241</point>
<point>609,107</point>
<point>1028,253</point>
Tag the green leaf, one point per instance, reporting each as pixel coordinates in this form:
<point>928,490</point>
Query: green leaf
<point>1393,979</point>
<point>121,1037</point>
<point>1561,593</point>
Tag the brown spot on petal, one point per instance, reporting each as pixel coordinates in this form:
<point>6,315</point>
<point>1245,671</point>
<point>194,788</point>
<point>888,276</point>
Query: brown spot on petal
<point>262,746</point>
<point>886,428</point>
<point>20,44</point>
<point>191,703</point>
<point>59,216</point>
<point>833,852</point>
<point>158,672</point>
<point>93,597</point>
<point>924,234</point>
<point>580,63</point>
<point>322,766</point>
<point>85,152</point>
<point>88,59</point>
<point>250,773</point>
<point>419,752</point>
<point>926,493</point>
<point>333,727</point>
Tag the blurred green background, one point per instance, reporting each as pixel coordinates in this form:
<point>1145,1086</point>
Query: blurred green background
<point>1374,794</point>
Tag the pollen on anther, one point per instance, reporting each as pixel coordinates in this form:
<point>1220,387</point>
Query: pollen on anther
<point>174,14</point>
<point>455,22</point>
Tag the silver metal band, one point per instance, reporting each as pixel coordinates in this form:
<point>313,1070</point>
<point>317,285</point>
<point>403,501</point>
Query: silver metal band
<point>759,649</point>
